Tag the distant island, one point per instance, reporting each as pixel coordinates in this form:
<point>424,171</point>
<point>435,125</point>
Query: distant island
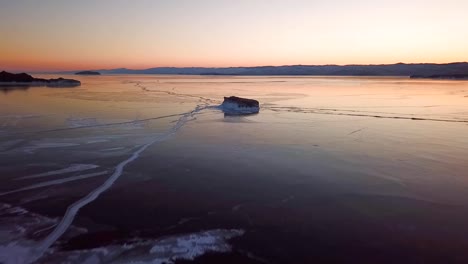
<point>8,79</point>
<point>398,69</point>
<point>88,73</point>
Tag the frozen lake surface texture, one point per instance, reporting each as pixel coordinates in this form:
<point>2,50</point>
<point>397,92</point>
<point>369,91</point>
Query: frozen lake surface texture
<point>149,169</point>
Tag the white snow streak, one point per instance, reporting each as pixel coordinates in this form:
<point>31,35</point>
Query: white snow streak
<point>71,168</point>
<point>55,182</point>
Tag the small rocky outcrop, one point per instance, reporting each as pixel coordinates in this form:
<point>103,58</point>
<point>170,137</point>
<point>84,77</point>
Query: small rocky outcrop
<point>240,106</point>
<point>61,82</point>
<point>88,73</point>
<point>24,79</point>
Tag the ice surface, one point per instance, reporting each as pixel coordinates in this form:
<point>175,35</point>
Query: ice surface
<point>157,251</point>
<point>15,252</point>
<point>75,122</point>
<point>17,247</point>
<point>315,140</point>
<point>72,210</point>
<point>9,143</point>
<point>18,226</point>
<point>189,247</point>
<point>47,145</point>
<point>71,168</point>
<point>55,182</point>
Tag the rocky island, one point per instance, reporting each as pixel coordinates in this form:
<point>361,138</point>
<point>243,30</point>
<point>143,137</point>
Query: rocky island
<point>239,106</point>
<point>23,79</point>
<point>88,73</point>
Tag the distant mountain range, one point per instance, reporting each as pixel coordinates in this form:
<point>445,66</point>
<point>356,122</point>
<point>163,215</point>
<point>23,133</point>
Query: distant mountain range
<point>420,70</point>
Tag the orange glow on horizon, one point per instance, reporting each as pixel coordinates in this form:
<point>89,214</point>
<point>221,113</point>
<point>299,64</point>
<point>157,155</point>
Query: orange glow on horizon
<point>89,35</point>
<point>51,66</point>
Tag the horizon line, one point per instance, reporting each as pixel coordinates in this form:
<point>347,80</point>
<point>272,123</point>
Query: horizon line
<point>258,66</point>
<point>228,67</point>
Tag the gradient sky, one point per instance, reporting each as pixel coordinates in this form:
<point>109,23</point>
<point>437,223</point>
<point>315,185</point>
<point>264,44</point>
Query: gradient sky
<point>89,34</point>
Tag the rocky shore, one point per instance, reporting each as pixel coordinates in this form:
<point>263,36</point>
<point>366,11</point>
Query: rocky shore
<point>23,79</point>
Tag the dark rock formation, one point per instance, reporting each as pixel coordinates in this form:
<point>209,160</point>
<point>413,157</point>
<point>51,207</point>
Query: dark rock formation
<point>241,102</point>
<point>88,73</point>
<point>20,77</point>
<point>23,79</point>
<point>240,106</point>
<point>61,82</point>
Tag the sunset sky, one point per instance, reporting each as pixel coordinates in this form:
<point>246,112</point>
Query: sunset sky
<point>87,34</point>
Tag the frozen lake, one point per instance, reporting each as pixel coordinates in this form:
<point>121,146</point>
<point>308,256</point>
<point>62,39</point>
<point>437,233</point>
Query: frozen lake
<point>146,169</point>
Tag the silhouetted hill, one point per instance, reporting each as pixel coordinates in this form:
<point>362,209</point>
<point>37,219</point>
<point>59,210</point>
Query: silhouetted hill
<point>88,73</point>
<point>442,76</point>
<point>18,77</point>
<point>8,79</point>
<point>399,69</point>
